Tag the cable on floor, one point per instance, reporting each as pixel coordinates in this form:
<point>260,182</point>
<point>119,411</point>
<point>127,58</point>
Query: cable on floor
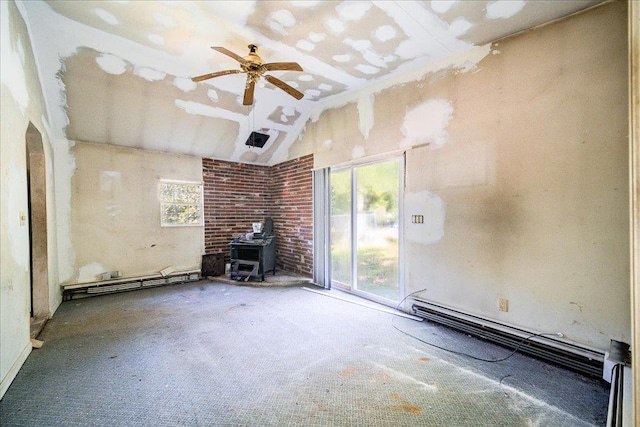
<point>461,353</point>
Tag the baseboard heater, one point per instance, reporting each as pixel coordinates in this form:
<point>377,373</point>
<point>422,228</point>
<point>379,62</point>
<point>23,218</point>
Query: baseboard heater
<point>127,284</point>
<point>575,357</point>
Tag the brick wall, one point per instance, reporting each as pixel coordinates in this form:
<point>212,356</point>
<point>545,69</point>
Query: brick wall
<point>292,213</point>
<point>237,195</point>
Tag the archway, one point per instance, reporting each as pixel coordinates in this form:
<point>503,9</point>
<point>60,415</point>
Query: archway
<point>36,181</point>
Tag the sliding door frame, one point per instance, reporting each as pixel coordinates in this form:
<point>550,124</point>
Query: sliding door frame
<point>353,288</point>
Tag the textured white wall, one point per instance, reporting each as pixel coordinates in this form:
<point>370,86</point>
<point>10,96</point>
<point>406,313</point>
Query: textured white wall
<point>115,212</point>
<point>21,102</point>
<point>520,169</point>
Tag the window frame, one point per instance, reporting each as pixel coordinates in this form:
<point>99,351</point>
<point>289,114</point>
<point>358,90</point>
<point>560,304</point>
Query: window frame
<point>199,205</point>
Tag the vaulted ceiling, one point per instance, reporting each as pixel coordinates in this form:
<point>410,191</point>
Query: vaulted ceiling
<point>119,72</point>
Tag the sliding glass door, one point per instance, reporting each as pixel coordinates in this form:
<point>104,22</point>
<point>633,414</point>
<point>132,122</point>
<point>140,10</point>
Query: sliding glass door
<point>365,229</point>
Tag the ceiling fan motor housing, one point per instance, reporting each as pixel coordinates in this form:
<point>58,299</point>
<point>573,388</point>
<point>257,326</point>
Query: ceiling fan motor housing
<point>255,67</point>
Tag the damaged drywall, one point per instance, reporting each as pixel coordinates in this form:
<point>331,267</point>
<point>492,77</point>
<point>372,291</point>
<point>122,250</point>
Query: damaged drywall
<point>22,108</point>
<point>427,123</point>
<point>365,112</point>
<point>342,46</point>
<point>12,67</point>
<point>433,211</point>
<point>118,189</point>
<point>525,197</point>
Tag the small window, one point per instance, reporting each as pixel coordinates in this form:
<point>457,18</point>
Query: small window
<point>180,203</point>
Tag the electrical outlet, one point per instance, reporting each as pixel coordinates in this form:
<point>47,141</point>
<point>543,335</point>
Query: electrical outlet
<point>503,304</point>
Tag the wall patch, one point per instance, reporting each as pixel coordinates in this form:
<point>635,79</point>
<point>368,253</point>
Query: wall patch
<point>427,123</point>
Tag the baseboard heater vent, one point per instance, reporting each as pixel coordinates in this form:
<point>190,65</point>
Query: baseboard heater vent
<point>575,357</point>
<point>127,284</point>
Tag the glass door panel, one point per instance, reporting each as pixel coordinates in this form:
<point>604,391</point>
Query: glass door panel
<point>341,241</point>
<point>365,229</point>
<point>376,246</point>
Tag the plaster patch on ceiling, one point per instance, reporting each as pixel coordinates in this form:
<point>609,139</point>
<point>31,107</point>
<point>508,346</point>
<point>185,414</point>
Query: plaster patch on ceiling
<point>460,26</point>
<point>359,45</point>
<point>504,8</point>
<point>165,20</point>
<point>328,144</point>
<point>281,19</point>
<point>342,58</point>
<point>317,37</point>
<point>305,3</point>
<point>427,123</point>
<point>305,45</point>
<point>436,43</point>
<point>390,58</point>
<point>324,86</point>
<point>213,95</point>
<point>107,17</point>
<point>197,108</point>
<point>111,64</point>
<point>156,38</point>
<point>364,47</point>
<point>293,84</point>
<point>184,84</point>
<point>289,110</point>
<point>367,69</point>
<point>149,74</point>
<point>365,114</point>
<point>335,26</point>
<point>442,6</point>
<point>12,65</point>
<point>234,11</point>
<point>305,78</point>
<point>357,152</point>
<point>434,210</point>
<point>385,33</point>
<point>312,93</point>
<point>284,114</point>
<point>353,10</point>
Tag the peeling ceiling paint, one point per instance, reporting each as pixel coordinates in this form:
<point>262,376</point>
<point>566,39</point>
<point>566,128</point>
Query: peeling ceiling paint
<point>119,72</point>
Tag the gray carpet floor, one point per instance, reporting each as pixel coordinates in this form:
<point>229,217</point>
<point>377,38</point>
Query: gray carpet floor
<point>210,353</point>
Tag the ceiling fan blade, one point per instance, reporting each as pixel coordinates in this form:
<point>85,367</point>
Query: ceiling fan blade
<point>248,91</point>
<point>212,75</point>
<point>285,87</point>
<point>227,52</point>
<point>293,66</point>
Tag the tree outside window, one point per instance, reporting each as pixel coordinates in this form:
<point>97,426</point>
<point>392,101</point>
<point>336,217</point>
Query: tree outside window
<point>180,203</point>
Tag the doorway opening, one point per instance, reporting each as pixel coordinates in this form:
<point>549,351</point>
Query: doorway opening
<point>365,230</point>
<point>37,192</point>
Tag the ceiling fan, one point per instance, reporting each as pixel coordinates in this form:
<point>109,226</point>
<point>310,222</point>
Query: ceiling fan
<point>255,68</point>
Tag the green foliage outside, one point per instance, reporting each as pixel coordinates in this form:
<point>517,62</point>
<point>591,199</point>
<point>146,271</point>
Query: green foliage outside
<point>377,189</point>
<point>180,203</point>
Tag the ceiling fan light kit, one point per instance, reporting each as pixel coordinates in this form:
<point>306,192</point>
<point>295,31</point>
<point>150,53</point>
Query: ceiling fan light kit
<point>254,67</point>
